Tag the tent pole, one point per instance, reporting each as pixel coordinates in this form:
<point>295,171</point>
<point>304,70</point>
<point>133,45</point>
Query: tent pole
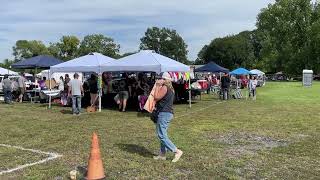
<point>189,92</point>
<point>49,89</point>
<point>50,80</point>
<point>100,90</point>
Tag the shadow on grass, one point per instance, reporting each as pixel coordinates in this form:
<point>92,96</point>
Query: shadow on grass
<point>135,149</point>
<point>208,100</point>
<point>65,111</point>
<point>143,114</point>
<point>193,101</point>
<point>47,105</point>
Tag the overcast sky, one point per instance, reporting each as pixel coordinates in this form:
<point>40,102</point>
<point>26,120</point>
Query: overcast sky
<point>197,21</point>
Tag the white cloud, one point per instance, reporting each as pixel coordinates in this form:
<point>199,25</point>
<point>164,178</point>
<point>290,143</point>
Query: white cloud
<point>197,21</point>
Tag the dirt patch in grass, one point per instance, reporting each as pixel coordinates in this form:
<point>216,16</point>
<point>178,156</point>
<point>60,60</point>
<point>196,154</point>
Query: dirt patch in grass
<point>239,144</point>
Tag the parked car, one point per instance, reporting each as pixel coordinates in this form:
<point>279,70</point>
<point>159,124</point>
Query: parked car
<point>316,77</point>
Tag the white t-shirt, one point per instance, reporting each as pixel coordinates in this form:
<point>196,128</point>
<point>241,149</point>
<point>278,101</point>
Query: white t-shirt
<point>22,82</point>
<point>61,85</point>
<point>75,85</point>
<point>253,84</point>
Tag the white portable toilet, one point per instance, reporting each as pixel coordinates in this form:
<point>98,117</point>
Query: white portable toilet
<point>307,78</point>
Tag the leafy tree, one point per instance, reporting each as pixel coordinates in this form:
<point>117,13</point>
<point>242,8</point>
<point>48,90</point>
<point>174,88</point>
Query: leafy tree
<point>55,50</point>
<point>26,49</point>
<point>166,42</point>
<point>66,49</point>
<point>230,52</point>
<point>286,30</point>
<point>99,43</point>
<point>6,63</point>
<point>126,54</point>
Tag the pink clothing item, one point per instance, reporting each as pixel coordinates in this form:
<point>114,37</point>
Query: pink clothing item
<point>142,101</point>
<point>151,103</point>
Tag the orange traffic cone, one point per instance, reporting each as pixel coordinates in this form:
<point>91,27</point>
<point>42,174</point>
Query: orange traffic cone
<point>95,167</point>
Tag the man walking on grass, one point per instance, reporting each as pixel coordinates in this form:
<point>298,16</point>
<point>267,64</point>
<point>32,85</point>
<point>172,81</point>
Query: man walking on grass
<point>76,90</point>
<point>22,87</point>
<point>7,89</point>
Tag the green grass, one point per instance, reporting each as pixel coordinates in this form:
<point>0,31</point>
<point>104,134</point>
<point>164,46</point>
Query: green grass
<point>275,137</point>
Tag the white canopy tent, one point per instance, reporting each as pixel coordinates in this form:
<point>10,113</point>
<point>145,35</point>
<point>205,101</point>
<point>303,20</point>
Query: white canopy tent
<point>261,76</point>
<point>92,62</point>
<point>4,71</point>
<point>56,75</point>
<point>88,63</point>
<point>147,61</point>
<point>257,72</point>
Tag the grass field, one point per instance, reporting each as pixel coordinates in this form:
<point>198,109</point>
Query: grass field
<point>275,137</point>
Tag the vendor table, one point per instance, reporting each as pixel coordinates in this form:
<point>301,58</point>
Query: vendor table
<point>51,93</point>
<point>34,95</point>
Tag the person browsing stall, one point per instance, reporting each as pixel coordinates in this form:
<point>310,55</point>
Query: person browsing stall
<point>123,94</point>
<point>225,85</point>
<point>164,97</point>
<point>142,91</point>
<point>93,88</point>
<point>76,91</point>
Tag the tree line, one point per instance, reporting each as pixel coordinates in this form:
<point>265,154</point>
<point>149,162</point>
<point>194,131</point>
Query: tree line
<point>287,38</point>
<point>163,40</point>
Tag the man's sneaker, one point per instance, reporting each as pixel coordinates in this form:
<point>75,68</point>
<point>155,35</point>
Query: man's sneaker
<point>163,158</point>
<point>177,156</point>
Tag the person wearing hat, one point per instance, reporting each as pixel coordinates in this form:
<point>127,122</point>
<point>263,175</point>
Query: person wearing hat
<point>7,89</point>
<point>164,97</point>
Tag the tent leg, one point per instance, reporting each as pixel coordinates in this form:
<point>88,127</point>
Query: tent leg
<point>189,92</point>
<point>99,101</point>
<point>100,90</point>
<point>49,102</point>
<point>49,80</point>
<point>49,89</point>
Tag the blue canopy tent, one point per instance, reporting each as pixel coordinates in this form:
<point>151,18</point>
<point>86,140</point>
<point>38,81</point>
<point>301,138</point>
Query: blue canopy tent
<point>41,61</point>
<point>212,67</point>
<point>147,61</point>
<point>92,62</point>
<point>240,71</point>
